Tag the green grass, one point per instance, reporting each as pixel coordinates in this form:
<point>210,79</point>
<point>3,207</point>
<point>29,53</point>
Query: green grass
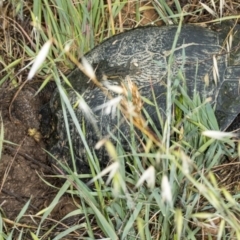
<point>185,199</point>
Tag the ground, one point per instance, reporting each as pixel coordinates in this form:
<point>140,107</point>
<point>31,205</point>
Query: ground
<point>23,159</point>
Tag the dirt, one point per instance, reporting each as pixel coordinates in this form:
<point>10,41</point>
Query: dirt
<point>23,160</point>
<point>24,163</point>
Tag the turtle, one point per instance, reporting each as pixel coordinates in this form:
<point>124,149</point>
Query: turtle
<point>145,57</point>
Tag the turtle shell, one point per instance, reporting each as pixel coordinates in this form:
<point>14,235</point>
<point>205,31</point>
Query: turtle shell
<point>146,56</point>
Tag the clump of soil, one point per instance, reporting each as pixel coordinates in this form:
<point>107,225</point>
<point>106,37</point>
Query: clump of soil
<point>24,162</point>
<point>23,159</point>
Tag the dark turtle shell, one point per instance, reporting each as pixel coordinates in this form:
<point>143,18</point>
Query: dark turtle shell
<point>143,56</point>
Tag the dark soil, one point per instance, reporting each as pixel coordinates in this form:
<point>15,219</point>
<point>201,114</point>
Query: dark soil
<point>23,160</point>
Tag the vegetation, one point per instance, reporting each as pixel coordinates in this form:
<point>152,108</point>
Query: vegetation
<point>177,188</point>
